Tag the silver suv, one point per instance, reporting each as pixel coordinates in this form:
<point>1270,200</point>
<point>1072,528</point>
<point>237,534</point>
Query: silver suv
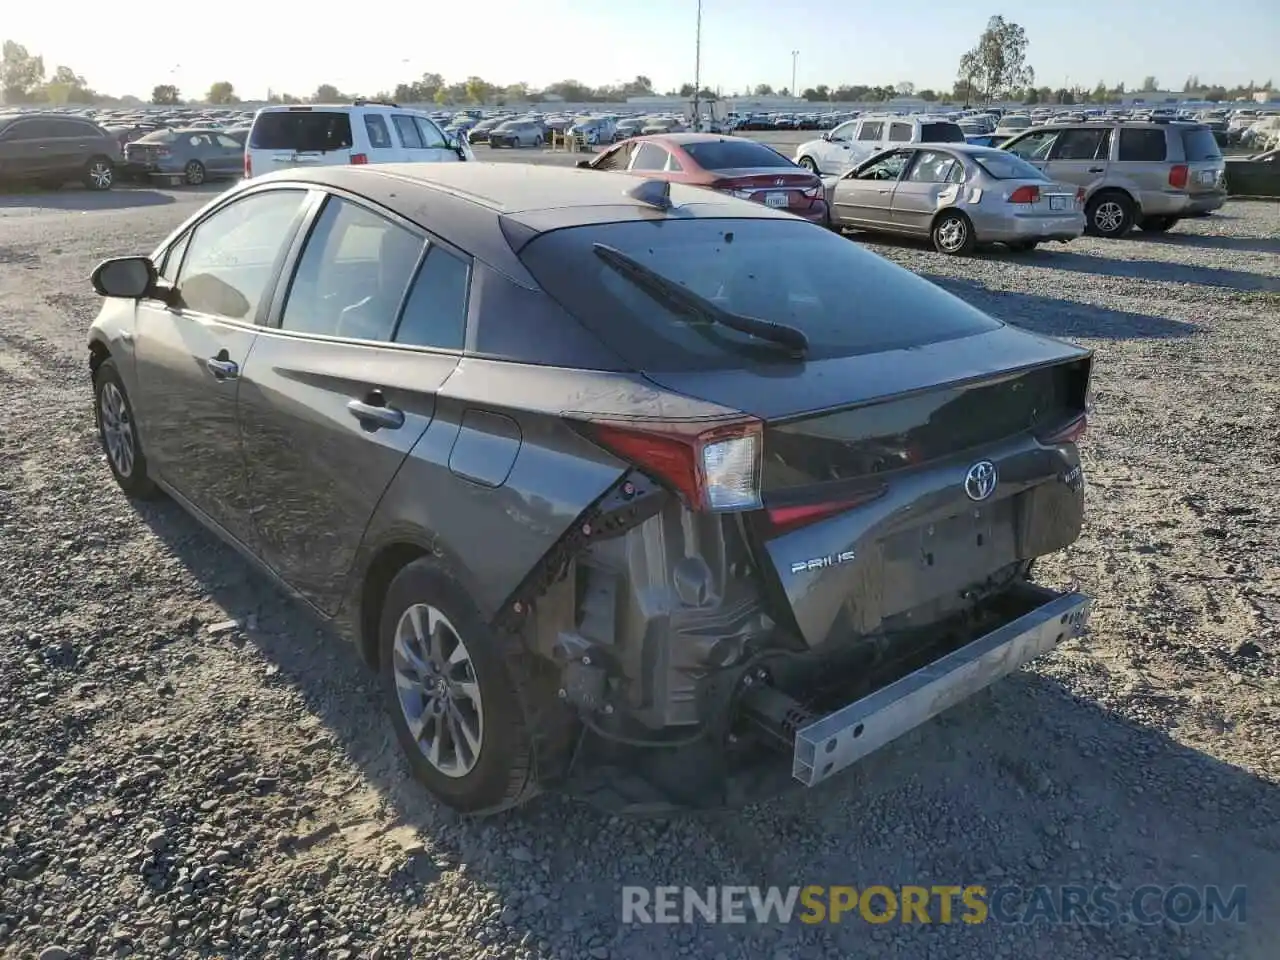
<point>1146,174</point>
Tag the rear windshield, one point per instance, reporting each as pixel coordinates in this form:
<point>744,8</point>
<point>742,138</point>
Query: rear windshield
<point>941,133</point>
<point>847,300</point>
<point>734,155</point>
<point>1008,166</point>
<point>307,131</point>
<point>160,136</point>
<point>1200,144</point>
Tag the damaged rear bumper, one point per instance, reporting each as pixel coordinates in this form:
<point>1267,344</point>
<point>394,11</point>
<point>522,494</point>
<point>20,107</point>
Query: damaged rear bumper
<point>829,744</point>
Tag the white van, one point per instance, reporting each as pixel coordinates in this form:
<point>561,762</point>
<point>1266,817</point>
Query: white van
<point>365,131</point>
<point>839,149</point>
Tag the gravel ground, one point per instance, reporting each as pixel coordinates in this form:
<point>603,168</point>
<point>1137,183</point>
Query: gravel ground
<point>173,783</point>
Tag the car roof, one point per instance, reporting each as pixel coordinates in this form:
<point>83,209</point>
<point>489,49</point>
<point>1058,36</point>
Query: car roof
<point>680,139</point>
<point>486,208</point>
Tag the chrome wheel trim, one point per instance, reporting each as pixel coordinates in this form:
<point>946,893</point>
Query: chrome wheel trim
<point>117,429</point>
<point>100,174</point>
<point>952,234</point>
<point>437,690</point>
<point>1108,216</point>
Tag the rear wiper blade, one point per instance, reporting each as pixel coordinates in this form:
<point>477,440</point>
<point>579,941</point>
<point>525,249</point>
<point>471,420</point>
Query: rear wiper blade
<point>683,300</point>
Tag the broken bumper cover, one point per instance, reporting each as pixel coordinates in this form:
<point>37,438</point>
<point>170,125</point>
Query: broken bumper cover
<point>828,745</point>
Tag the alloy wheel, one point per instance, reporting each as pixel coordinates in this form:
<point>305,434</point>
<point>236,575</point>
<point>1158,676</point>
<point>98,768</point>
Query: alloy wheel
<point>100,174</point>
<point>952,234</point>
<point>195,173</point>
<point>437,690</point>
<point>1108,217</point>
<point>117,429</point>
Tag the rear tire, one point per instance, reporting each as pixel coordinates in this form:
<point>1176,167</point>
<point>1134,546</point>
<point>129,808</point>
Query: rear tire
<point>809,164</point>
<point>537,141</point>
<point>1156,224</point>
<point>117,429</point>
<point>1109,215</point>
<point>194,174</point>
<point>952,234</point>
<point>463,686</point>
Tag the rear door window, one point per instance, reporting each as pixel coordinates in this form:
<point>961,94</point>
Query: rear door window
<point>933,166</point>
<point>376,127</point>
<point>871,130</point>
<point>1199,144</point>
<point>650,156</point>
<point>352,275</point>
<point>303,131</point>
<point>900,132</point>
<point>435,314</point>
<point>1141,145</point>
<point>407,130</point>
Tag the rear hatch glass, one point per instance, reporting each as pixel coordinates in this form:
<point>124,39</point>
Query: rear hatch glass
<point>846,300</point>
<point>941,133</point>
<point>309,131</point>
<point>1199,145</point>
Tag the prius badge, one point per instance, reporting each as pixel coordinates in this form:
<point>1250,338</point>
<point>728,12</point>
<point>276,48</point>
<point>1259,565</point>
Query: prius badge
<point>980,481</point>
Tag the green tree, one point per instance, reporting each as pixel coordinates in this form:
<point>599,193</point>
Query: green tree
<point>928,95</point>
<point>327,93</point>
<point>478,91</point>
<point>441,97</point>
<point>1150,85</point>
<point>763,90</point>
<point>222,92</point>
<point>1032,97</point>
<point>905,88</point>
<point>165,94</point>
<point>20,73</point>
<point>997,64</point>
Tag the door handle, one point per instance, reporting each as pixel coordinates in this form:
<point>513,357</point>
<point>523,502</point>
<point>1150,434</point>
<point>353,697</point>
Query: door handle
<point>222,368</point>
<point>1097,169</point>
<point>375,415</point>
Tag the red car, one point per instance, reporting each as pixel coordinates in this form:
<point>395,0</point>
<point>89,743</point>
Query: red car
<point>736,165</point>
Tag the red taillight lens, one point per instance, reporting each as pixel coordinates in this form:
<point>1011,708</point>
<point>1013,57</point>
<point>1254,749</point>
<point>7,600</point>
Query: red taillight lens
<point>359,158</point>
<point>814,191</point>
<point>1027,194</point>
<point>248,166</point>
<point>1178,175</point>
<point>1069,433</point>
<point>716,469</point>
<point>1080,195</point>
<point>785,519</point>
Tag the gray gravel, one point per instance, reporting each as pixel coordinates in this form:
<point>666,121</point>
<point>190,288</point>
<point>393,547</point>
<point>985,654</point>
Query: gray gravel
<point>189,767</point>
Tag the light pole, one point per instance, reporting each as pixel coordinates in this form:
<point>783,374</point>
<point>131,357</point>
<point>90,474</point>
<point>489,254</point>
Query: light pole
<point>697,70</point>
<point>794,56</point>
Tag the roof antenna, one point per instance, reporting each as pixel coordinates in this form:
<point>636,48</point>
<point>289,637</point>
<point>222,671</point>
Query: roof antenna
<point>655,193</point>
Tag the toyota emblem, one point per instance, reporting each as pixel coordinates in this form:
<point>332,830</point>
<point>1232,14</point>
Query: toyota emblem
<point>980,481</point>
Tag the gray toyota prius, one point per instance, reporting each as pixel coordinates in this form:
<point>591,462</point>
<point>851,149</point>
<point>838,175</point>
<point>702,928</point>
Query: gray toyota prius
<point>624,488</point>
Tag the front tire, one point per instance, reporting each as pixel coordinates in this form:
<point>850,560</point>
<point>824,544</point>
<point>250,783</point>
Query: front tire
<point>99,174</point>
<point>194,173</point>
<point>455,706</point>
<point>117,429</point>
<point>953,234</point>
<point>1109,215</point>
<point>537,141</point>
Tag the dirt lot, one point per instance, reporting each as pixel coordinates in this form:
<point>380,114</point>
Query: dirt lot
<point>173,787</point>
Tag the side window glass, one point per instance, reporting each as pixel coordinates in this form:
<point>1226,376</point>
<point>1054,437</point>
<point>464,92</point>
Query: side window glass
<point>432,138</point>
<point>229,143</point>
<point>1035,146</point>
<point>615,159</point>
<point>379,135</point>
<point>900,132</point>
<point>871,131</point>
<point>1140,144</point>
<point>845,131</point>
<point>24,130</point>
<point>408,131</point>
<point>887,168</point>
<point>932,167</point>
<point>231,257</point>
<point>673,165</point>
<point>1078,144</point>
<point>649,157</point>
<point>352,275</point>
<point>435,315</point>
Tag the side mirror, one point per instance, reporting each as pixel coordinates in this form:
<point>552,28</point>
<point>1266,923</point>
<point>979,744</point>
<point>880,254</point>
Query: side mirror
<point>130,278</point>
<point>583,164</point>
<point>828,136</point>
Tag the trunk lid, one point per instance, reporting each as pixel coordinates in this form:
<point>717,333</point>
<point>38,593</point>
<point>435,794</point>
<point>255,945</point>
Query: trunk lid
<point>778,187</point>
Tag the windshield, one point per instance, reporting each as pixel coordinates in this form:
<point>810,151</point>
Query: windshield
<point>1200,144</point>
<point>1008,166</point>
<point>734,154</point>
<point>844,299</point>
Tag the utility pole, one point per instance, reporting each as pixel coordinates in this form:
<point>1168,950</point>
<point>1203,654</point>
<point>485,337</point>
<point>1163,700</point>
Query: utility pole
<point>794,55</point>
<point>697,71</point>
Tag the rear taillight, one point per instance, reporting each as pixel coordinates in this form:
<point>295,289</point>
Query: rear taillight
<point>1027,194</point>
<point>814,191</point>
<point>1179,173</point>
<point>1068,433</point>
<point>715,469</point>
<point>248,166</point>
<point>786,519</point>
<point>359,158</point>
<point>1080,195</point>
